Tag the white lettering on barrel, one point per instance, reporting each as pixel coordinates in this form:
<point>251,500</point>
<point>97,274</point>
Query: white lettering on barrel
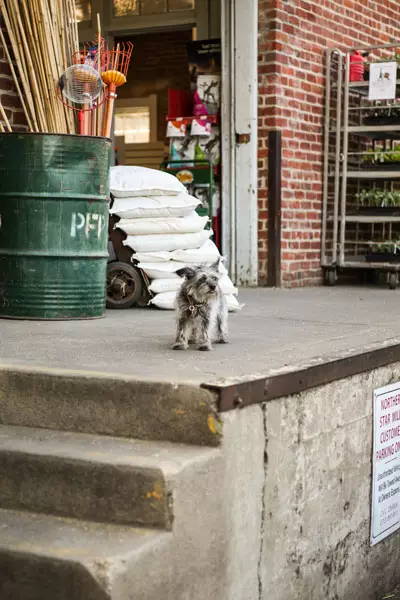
<point>88,222</point>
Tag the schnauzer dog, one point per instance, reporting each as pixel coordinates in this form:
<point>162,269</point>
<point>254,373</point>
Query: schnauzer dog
<point>202,312</point>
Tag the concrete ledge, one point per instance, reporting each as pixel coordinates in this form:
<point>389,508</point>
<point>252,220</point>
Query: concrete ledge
<point>298,378</point>
<point>91,402</point>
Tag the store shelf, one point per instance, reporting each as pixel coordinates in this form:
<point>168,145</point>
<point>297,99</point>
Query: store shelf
<point>372,219</point>
<point>358,130</point>
<point>376,131</point>
<point>362,263</point>
<point>368,219</point>
<point>364,83</point>
<point>362,87</point>
<point>189,120</point>
<point>365,174</point>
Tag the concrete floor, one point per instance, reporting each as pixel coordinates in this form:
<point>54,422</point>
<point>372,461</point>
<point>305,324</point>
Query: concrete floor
<point>275,330</point>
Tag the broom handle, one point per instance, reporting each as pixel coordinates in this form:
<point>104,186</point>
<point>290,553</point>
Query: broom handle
<point>109,109</point>
<point>4,116</point>
<point>80,122</point>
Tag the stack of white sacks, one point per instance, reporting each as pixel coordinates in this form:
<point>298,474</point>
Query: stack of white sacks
<point>164,230</point>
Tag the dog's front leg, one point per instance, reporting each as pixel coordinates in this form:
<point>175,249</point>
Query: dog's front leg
<point>194,336</point>
<point>222,327</point>
<point>182,335</point>
<point>204,334</point>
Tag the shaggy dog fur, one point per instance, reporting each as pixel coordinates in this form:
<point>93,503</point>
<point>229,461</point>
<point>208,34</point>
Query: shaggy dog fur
<point>202,312</point>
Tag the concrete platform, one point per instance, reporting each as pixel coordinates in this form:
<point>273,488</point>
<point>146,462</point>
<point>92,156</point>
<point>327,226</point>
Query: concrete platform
<point>272,501</point>
<point>276,330</point>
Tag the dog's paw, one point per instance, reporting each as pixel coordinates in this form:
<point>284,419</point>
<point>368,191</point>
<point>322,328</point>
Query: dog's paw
<point>222,341</point>
<point>205,347</point>
<point>179,347</point>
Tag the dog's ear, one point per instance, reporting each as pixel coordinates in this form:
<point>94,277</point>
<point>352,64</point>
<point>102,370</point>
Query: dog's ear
<point>215,266</point>
<point>187,272</point>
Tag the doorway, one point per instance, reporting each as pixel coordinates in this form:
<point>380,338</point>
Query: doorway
<point>142,106</point>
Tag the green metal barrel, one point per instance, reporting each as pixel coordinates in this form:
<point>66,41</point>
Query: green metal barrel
<point>53,225</point>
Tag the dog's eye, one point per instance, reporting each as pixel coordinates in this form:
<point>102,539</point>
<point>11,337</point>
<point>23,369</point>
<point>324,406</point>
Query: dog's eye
<point>203,278</point>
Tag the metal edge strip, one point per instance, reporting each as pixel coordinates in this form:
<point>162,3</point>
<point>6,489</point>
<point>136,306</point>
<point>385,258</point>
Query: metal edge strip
<point>259,390</point>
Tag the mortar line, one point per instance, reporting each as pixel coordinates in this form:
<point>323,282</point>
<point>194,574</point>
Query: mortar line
<point>263,507</point>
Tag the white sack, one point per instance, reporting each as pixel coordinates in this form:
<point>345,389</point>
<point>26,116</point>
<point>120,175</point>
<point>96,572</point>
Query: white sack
<point>166,300</point>
<point>141,181</point>
<point>158,286</point>
<point>190,224</point>
<point>148,207</point>
<point>233,304</point>
<point>173,284</point>
<point>164,270</point>
<point>169,242</point>
<point>227,286</point>
<point>153,257</point>
<point>207,254</point>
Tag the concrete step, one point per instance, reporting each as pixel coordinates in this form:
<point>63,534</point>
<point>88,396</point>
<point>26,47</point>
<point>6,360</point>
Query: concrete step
<point>99,478</point>
<point>53,558</point>
<point>90,402</point>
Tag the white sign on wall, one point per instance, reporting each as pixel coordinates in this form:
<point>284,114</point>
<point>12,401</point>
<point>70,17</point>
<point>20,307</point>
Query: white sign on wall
<point>382,81</point>
<point>385,513</point>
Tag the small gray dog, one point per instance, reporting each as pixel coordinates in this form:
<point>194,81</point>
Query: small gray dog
<point>202,312</point>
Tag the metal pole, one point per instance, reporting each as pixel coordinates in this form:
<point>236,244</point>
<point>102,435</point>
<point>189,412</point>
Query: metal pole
<point>337,158</point>
<point>326,156</point>
<point>344,165</point>
<point>228,208</point>
<point>274,207</point>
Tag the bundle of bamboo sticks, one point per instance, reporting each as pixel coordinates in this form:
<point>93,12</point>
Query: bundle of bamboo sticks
<point>43,36</point>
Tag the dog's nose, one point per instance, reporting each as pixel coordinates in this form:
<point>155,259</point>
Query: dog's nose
<point>212,287</point>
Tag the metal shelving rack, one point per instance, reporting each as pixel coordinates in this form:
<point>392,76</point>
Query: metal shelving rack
<point>347,232</point>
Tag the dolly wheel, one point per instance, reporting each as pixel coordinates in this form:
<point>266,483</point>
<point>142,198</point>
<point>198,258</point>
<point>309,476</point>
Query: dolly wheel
<point>124,285</point>
<point>393,280</point>
<point>330,277</point>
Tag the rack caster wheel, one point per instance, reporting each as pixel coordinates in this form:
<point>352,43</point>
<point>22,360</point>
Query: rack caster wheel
<point>330,277</point>
<point>393,280</point>
<point>124,285</point>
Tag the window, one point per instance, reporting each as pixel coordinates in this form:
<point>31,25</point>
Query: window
<point>133,124</point>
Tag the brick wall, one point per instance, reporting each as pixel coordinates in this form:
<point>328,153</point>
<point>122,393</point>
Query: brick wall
<point>293,35</point>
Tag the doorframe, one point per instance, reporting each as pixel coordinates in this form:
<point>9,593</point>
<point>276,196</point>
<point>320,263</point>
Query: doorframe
<point>239,36</point>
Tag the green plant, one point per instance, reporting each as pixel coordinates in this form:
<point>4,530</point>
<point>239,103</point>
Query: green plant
<point>378,198</point>
<point>373,157</point>
<point>386,247</point>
